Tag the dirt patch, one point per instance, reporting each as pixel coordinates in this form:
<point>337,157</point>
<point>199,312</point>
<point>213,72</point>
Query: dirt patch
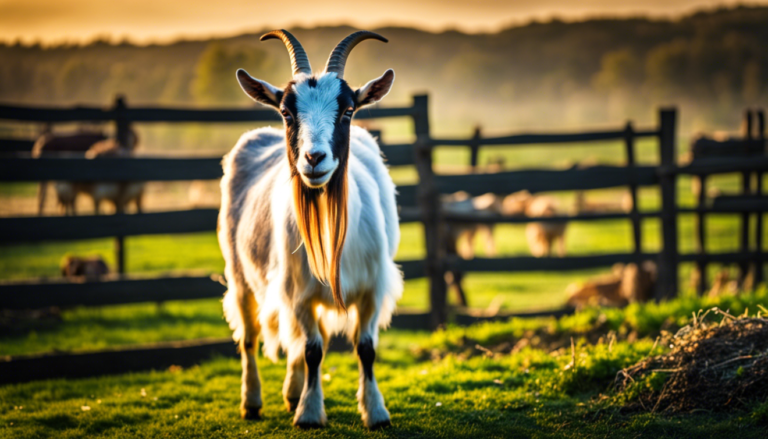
<point>544,338</point>
<point>711,366</point>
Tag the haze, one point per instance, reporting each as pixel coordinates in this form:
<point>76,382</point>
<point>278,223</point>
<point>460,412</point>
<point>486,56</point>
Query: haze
<point>147,21</point>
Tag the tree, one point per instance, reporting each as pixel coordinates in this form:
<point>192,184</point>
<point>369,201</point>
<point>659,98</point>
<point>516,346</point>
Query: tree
<point>215,82</point>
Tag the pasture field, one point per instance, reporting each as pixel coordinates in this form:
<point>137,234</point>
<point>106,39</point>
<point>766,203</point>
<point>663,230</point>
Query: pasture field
<point>436,385</point>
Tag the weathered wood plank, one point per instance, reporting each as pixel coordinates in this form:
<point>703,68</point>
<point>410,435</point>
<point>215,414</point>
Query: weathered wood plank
<point>718,165</point>
<point>406,195</point>
<point>110,169</point>
<point>412,269</point>
<point>114,291</point>
<point>57,228</point>
<point>538,180</point>
<point>158,114</point>
<point>529,263</point>
<point>112,361</point>
<point>483,218</point>
<point>530,139</point>
<point>667,284</point>
<point>398,154</point>
<point>10,146</point>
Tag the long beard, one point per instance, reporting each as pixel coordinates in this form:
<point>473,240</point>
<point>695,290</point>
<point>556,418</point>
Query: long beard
<point>321,215</point>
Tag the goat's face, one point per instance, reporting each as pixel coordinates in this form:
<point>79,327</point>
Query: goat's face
<point>317,111</point>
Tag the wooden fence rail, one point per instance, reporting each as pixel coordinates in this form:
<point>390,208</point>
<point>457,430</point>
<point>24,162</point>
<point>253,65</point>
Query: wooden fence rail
<point>417,203</point>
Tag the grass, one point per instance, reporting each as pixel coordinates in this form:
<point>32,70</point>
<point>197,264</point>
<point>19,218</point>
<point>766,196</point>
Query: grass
<point>531,393</point>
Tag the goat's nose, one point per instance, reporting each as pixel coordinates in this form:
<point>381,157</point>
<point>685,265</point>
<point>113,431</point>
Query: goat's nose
<point>315,157</point>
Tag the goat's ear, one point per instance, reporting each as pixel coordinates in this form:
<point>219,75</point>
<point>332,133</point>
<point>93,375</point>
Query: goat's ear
<point>375,90</point>
<point>260,91</point>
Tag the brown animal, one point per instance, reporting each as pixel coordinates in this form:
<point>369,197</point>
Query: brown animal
<point>120,194</point>
<point>585,206</point>
<point>626,284</point>
<point>50,144</point>
<point>540,235</point>
<point>91,268</point>
<point>460,236</point>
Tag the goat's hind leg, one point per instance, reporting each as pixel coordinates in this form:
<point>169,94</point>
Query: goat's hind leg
<point>370,401</point>
<point>240,309</point>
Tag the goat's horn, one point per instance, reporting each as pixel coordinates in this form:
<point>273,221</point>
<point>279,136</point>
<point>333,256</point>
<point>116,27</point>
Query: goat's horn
<point>299,59</point>
<point>338,58</point>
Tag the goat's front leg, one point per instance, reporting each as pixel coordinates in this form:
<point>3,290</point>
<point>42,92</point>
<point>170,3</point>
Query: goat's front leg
<point>310,413</point>
<point>369,398</point>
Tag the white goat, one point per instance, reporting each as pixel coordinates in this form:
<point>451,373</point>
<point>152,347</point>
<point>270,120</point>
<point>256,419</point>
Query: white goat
<point>292,200</point>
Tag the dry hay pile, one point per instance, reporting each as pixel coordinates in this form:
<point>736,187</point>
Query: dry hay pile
<point>710,366</point>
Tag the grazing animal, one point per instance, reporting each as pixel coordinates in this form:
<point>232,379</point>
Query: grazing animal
<point>626,284</point>
<point>585,206</point>
<point>120,194</point>
<point>308,228</point>
<point>540,235</point>
<point>460,236</point>
<point>50,144</point>
<point>90,268</point>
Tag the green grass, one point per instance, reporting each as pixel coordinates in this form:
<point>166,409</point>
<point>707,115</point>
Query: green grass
<point>532,393</point>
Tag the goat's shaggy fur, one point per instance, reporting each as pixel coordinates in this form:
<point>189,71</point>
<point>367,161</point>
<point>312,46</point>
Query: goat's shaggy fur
<point>308,228</point>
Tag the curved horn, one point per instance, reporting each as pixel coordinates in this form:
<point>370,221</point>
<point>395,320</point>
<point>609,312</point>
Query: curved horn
<point>338,58</point>
<point>299,59</point>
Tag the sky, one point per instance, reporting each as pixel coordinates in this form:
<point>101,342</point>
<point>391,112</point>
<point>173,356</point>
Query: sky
<point>160,21</point>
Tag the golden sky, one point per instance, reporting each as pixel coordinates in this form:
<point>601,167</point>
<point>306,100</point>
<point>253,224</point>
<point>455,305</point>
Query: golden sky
<point>145,21</point>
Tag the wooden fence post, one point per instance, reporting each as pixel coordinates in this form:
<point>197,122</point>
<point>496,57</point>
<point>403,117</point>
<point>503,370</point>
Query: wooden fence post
<point>430,210</point>
<point>634,215</point>
<point>746,188</point>
<point>759,192</point>
<point>701,234</point>
<point>122,135</point>
<point>668,258</point>
<point>474,148</point>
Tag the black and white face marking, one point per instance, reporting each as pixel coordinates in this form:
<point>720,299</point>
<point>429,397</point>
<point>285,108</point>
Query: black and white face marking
<point>317,111</point>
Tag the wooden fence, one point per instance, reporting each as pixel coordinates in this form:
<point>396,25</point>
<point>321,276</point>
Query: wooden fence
<point>417,203</point>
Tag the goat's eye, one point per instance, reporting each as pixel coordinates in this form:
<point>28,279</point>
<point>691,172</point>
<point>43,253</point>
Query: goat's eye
<point>348,114</point>
<point>286,115</point>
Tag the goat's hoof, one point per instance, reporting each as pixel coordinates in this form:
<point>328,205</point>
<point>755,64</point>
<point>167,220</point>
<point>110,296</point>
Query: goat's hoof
<point>292,403</point>
<point>381,425</point>
<point>250,413</point>
<point>309,425</point>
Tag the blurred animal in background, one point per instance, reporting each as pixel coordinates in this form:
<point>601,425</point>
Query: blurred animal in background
<point>722,284</point>
<point>624,204</point>
<point>540,235</point>
<point>49,145</point>
<point>625,284</point>
<point>120,194</point>
<point>204,193</point>
<point>460,236</point>
<point>91,268</point>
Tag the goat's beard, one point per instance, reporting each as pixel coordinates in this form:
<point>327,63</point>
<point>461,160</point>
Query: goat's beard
<point>321,216</point>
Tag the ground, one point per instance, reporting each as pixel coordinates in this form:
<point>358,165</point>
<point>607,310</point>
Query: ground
<point>436,385</point>
<point>444,384</point>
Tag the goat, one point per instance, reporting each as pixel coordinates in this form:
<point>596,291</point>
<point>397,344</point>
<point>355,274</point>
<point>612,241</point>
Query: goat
<point>50,144</point>
<point>308,229</point>
<point>626,284</point>
<point>460,236</point>
<point>90,268</point>
<point>540,235</point>
<point>622,205</point>
<point>119,193</point>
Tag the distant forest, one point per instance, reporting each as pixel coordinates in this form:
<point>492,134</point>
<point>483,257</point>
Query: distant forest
<point>551,74</point>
